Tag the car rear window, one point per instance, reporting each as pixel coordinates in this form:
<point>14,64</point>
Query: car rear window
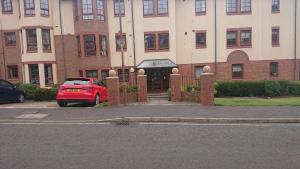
<point>77,82</point>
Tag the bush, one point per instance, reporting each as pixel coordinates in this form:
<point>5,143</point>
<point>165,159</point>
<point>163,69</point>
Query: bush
<point>29,90</point>
<point>294,88</point>
<point>45,94</point>
<point>284,87</point>
<point>240,88</point>
<point>272,88</point>
<point>190,88</point>
<point>129,89</point>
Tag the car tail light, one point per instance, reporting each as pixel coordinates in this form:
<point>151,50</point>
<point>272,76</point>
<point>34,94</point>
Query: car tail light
<point>87,89</point>
<point>62,88</point>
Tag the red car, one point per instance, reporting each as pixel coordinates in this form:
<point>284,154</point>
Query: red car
<point>81,90</point>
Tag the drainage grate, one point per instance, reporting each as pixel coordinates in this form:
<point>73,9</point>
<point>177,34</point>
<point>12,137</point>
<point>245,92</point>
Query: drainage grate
<point>32,116</point>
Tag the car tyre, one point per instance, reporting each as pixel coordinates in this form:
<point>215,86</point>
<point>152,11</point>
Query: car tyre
<point>97,100</point>
<point>62,104</point>
<point>21,98</point>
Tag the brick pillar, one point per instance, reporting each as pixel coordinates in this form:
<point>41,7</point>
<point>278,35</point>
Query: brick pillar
<point>175,82</point>
<point>207,87</point>
<point>113,89</point>
<point>142,86</point>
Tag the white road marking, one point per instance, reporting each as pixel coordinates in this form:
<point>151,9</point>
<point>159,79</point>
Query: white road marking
<point>54,123</point>
<point>224,124</point>
<point>32,116</point>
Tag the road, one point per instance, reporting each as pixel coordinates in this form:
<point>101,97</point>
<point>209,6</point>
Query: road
<point>148,146</point>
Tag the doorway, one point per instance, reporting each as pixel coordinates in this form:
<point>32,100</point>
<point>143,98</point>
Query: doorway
<point>158,79</point>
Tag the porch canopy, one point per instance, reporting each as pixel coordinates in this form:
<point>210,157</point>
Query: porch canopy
<point>156,63</point>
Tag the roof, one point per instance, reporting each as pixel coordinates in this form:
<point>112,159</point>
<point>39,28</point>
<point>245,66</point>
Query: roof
<point>156,63</point>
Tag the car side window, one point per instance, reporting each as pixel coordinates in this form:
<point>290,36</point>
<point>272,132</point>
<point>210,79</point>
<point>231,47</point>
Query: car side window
<point>102,84</point>
<point>96,82</point>
<point>5,84</point>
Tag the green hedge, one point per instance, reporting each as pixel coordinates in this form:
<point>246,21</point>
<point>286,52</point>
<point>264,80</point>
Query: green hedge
<point>32,92</point>
<point>240,88</point>
<point>257,88</point>
<point>294,88</point>
<point>29,90</point>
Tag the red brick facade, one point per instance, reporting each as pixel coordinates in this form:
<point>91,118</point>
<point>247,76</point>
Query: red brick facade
<point>253,70</point>
<point>10,56</point>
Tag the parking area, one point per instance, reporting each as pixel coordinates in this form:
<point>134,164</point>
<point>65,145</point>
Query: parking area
<point>30,104</point>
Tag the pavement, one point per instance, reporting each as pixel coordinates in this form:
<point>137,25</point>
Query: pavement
<point>48,111</point>
<point>149,146</point>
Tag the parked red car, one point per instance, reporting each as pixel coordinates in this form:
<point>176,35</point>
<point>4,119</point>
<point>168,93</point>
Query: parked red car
<point>81,90</point>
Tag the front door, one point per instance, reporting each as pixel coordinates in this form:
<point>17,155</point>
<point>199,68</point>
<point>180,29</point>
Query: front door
<point>158,79</point>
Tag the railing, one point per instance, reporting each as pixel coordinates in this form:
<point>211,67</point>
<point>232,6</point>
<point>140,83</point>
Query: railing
<point>190,83</point>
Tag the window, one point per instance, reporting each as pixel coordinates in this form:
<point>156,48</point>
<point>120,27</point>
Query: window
<point>100,10</point>
<point>275,36</point>
<point>7,6</point>
<point>162,7</point>
<point>231,38</point>
<point>200,6</point>
<point>91,73</point>
<point>150,42</point>
<point>87,9</point>
<point>103,45</point>
<point>200,39</point>
<point>89,45</point>
<point>155,7</point>
<point>44,7</point>
<point>148,7</point>
<point>237,71</point>
<point>34,76</point>
<point>78,46</point>
<point>119,7</point>
<point>13,72</point>
<point>120,74</point>
<point>274,69</point>
<point>29,7</point>
<point>46,40</point>
<point>31,40</point>
<point>48,74</point>
<point>232,6</point>
<point>104,74</point>
<point>198,71</point>
<point>238,6</point>
<point>245,5</point>
<point>155,41</point>
<point>120,41</point>
<point>10,38</point>
<point>239,38</point>
<point>275,6</point>
<point>246,38</point>
<point>163,40</point>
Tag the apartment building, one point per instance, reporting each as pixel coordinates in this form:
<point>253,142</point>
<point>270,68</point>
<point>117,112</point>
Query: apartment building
<point>44,41</point>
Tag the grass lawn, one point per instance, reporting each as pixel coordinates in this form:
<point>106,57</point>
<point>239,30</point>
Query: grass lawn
<point>284,101</point>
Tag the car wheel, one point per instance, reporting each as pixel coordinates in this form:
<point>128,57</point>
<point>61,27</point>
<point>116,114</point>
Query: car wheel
<point>97,100</point>
<point>62,104</point>
<point>21,98</point>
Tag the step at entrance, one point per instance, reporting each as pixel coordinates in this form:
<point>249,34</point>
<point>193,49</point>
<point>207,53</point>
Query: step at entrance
<point>157,96</point>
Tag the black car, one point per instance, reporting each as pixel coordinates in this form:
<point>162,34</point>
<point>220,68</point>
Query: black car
<point>9,92</point>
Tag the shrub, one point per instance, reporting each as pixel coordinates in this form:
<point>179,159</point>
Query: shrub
<point>129,89</point>
<point>294,88</point>
<point>29,90</point>
<point>45,94</point>
<point>215,88</point>
<point>240,88</point>
<point>169,94</point>
<point>284,87</point>
<point>190,88</point>
<point>272,88</point>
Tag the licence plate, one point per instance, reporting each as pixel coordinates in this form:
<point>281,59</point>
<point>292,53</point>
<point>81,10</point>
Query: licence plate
<point>73,90</point>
